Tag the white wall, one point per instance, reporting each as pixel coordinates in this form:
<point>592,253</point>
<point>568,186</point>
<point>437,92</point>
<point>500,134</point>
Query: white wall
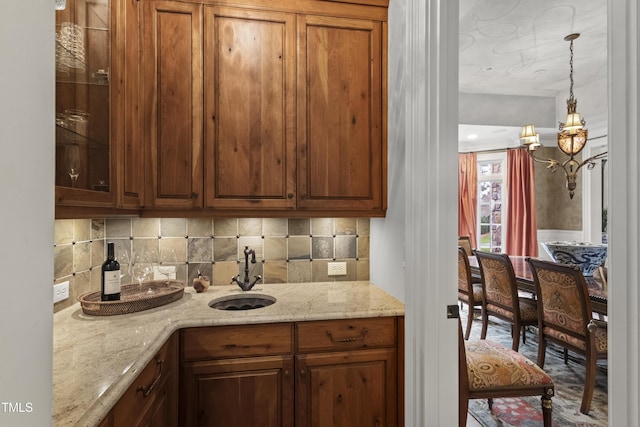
<point>26,211</point>
<point>386,245</point>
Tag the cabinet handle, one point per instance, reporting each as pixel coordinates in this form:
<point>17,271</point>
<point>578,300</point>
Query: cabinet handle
<point>302,373</point>
<point>194,195</point>
<point>148,389</point>
<point>349,339</point>
<point>290,195</point>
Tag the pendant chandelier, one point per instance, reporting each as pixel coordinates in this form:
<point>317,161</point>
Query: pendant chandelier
<point>572,136</point>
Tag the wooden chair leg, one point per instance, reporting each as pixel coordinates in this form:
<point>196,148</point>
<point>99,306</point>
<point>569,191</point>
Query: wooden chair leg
<point>516,337</point>
<point>485,324</point>
<point>547,407</point>
<point>490,403</point>
<point>542,351</point>
<point>589,384</point>
<point>566,356</point>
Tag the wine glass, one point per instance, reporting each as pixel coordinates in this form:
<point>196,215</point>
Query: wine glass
<point>124,259</point>
<point>141,267</point>
<point>72,153</point>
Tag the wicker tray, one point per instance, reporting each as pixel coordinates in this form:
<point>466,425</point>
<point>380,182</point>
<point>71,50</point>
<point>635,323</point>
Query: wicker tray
<point>133,298</point>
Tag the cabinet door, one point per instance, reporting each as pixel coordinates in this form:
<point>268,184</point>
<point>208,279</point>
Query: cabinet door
<point>346,389</point>
<point>84,103</point>
<point>340,137</point>
<point>255,392</point>
<point>249,87</point>
<point>172,103</point>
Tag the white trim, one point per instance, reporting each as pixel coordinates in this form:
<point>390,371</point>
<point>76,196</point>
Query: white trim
<point>431,214</point>
<point>624,269</point>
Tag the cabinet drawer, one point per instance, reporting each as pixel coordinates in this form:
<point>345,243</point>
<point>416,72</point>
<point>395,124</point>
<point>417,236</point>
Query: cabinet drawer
<point>331,335</point>
<point>142,393</point>
<point>237,341</point>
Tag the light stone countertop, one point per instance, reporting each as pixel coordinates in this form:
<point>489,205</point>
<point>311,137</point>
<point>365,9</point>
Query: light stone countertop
<point>96,358</point>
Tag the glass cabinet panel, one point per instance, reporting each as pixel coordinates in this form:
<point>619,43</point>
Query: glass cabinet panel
<point>82,94</point>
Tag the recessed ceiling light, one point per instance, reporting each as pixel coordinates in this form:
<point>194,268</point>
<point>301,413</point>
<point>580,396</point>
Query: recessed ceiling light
<point>472,136</point>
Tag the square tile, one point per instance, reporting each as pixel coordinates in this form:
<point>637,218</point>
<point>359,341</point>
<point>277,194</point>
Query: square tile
<point>319,272</point>
<point>145,227</point>
<point>81,230</point>
<point>97,229</point>
<point>363,247</point>
<point>275,272</point>
<point>322,247</point>
<point>322,227</point>
<point>299,271</point>
<point>200,250</point>
<point>275,248</point>
<point>117,227</point>
<point>199,227</point>
<point>223,272</point>
<point>299,227</point>
<point>225,227</point>
<point>250,227</point>
<point>63,231</point>
<point>299,247</point>
<point>225,249</point>
<point>345,247</point>
<point>364,226</point>
<point>173,227</point>
<point>274,227</point>
<point>346,226</point>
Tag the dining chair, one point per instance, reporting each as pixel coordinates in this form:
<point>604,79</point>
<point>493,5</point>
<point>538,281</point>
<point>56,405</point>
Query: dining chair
<point>465,242</point>
<point>487,370</point>
<point>469,293</point>
<point>566,318</point>
<point>501,298</point>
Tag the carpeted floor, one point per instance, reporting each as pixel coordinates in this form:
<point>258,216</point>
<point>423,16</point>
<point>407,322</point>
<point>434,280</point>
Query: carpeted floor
<point>568,380</point>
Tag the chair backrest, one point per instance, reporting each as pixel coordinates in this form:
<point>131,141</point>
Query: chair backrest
<point>563,297</point>
<point>465,242</point>
<point>499,281</point>
<point>465,283</point>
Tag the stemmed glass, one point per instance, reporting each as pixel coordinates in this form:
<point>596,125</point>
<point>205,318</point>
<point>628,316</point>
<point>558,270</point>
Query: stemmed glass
<point>141,267</point>
<point>72,153</point>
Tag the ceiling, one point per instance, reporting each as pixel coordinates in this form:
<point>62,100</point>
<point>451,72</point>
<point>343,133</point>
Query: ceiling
<point>517,48</point>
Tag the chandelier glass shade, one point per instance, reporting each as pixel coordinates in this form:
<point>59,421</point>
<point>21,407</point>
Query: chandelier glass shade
<point>572,136</point>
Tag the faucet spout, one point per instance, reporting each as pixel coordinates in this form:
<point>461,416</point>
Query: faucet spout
<point>246,284</point>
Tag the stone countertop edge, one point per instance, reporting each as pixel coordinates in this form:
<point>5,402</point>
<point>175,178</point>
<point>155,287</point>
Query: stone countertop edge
<point>96,358</point>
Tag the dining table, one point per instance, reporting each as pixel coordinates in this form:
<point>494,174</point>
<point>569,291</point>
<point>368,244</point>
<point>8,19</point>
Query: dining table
<point>596,284</point>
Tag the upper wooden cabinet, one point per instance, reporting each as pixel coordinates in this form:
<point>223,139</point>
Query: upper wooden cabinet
<point>172,103</point>
<point>253,110</point>
<point>249,106</point>
<point>341,145</point>
<point>84,72</point>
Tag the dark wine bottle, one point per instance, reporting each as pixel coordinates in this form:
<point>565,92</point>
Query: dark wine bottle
<point>110,286</point>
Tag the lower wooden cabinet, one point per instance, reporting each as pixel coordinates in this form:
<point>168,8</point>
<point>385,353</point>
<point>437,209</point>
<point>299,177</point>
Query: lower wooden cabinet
<point>152,399</point>
<point>321,373</point>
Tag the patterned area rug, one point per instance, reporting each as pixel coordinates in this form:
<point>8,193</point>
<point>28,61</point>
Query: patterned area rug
<point>568,380</point>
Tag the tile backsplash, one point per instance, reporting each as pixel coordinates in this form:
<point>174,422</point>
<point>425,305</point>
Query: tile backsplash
<point>291,250</point>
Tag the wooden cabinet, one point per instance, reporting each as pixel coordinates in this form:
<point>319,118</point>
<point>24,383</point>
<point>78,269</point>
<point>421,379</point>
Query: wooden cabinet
<point>237,376</point>
<point>85,33</point>
<point>271,111</point>
<point>152,399</point>
<point>172,103</point>
<point>341,143</point>
<point>347,373</point>
<point>335,372</point>
<point>249,103</point>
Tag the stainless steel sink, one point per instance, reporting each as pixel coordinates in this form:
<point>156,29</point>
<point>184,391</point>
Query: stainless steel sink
<point>242,302</point>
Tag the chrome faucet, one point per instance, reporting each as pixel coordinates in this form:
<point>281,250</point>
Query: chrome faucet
<point>246,284</point>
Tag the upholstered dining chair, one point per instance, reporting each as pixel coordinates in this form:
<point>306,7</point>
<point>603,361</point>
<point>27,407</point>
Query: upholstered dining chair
<point>501,298</point>
<point>490,370</point>
<point>465,242</point>
<point>469,293</point>
<point>566,318</point>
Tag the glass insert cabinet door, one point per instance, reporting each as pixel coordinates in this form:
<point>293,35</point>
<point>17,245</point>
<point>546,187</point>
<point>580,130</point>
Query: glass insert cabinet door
<point>82,94</point>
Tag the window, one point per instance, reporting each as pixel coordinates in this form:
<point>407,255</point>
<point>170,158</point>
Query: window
<point>491,201</point>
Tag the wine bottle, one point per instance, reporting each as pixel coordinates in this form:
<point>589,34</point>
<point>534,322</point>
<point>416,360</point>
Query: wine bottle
<point>110,286</point>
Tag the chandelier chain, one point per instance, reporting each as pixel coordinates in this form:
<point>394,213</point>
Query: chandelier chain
<point>571,70</point>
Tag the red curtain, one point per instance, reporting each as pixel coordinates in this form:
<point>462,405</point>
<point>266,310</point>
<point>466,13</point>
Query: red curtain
<point>467,195</point>
<point>521,235</point>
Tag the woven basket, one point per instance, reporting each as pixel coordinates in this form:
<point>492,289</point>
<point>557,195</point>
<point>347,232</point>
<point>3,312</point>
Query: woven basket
<point>133,298</point>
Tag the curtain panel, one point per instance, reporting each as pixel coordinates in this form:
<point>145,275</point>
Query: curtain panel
<point>522,228</point>
<point>467,195</point>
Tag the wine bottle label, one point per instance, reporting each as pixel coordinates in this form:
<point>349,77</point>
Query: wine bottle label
<point>111,282</point>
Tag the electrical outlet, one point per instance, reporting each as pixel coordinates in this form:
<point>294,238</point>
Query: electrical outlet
<point>337,269</point>
<point>60,292</point>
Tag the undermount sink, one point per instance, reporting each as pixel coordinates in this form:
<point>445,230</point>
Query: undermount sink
<point>242,302</point>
